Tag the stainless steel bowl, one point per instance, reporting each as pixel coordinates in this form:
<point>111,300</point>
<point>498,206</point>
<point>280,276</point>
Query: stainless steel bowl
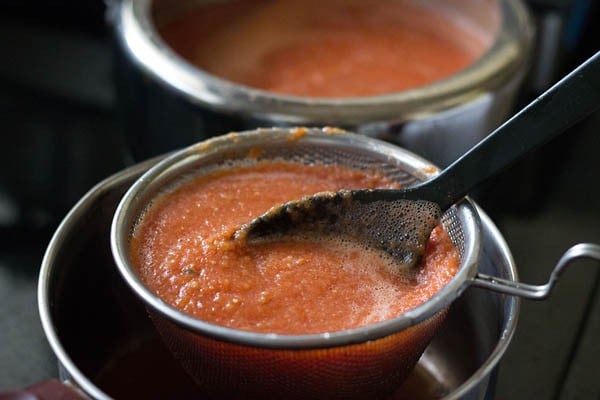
<point>97,327</point>
<point>168,103</point>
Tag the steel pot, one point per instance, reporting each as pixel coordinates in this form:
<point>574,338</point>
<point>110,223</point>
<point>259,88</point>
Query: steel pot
<point>98,328</point>
<point>169,104</point>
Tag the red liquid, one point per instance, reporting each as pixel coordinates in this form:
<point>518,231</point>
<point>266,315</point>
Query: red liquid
<point>327,48</point>
<point>291,287</point>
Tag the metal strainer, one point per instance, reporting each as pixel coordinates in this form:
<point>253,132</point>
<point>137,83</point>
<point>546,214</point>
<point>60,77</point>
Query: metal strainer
<point>366,362</point>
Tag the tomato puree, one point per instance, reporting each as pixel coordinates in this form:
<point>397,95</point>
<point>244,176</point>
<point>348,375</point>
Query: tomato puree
<point>327,48</point>
<point>183,251</point>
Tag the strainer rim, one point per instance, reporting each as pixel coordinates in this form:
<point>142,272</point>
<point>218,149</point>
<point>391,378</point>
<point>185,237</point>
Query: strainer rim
<point>121,227</point>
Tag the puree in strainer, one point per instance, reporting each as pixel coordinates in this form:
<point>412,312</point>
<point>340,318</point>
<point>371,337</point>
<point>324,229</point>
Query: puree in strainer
<point>182,251</point>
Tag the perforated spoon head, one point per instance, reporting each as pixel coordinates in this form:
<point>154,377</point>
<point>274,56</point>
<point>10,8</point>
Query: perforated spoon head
<point>400,228</point>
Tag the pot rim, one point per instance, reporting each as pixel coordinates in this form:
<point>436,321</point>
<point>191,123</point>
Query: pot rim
<point>149,186</point>
<point>49,266</point>
<point>510,326</point>
<point>138,36</point>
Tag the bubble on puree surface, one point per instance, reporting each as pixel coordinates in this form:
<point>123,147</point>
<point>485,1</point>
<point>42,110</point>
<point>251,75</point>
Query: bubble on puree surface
<point>182,252</point>
<point>328,48</point>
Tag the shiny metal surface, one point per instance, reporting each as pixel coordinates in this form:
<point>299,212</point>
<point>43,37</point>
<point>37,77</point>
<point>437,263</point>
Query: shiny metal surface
<point>312,146</point>
<point>438,121</point>
<point>73,101</point>
<point>539,292</point>
<point>60,290</point>
<point>458,364</point>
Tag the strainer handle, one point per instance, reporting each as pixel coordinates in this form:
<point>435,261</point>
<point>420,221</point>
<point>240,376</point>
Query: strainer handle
<point>538,292</point>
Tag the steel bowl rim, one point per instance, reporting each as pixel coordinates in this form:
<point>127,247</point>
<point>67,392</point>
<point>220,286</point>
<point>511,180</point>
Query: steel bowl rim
<point>48,268</point>
<point>509,328</point>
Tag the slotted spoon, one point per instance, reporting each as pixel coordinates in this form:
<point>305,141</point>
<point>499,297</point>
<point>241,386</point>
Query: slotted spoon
<point>400,221</point>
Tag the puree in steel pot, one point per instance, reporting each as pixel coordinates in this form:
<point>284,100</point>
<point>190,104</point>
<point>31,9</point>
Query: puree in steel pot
<point>327,48</point>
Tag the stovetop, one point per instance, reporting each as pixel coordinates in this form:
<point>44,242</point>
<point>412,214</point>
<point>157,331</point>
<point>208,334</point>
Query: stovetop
<point>62,134</point>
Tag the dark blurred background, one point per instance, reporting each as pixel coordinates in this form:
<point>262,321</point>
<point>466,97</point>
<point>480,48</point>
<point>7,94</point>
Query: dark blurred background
<point>62,133</point>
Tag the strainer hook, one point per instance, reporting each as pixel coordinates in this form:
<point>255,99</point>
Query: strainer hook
<point>538,292</point>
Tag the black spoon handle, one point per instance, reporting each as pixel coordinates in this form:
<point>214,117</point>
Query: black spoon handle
<point>571,99</point>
